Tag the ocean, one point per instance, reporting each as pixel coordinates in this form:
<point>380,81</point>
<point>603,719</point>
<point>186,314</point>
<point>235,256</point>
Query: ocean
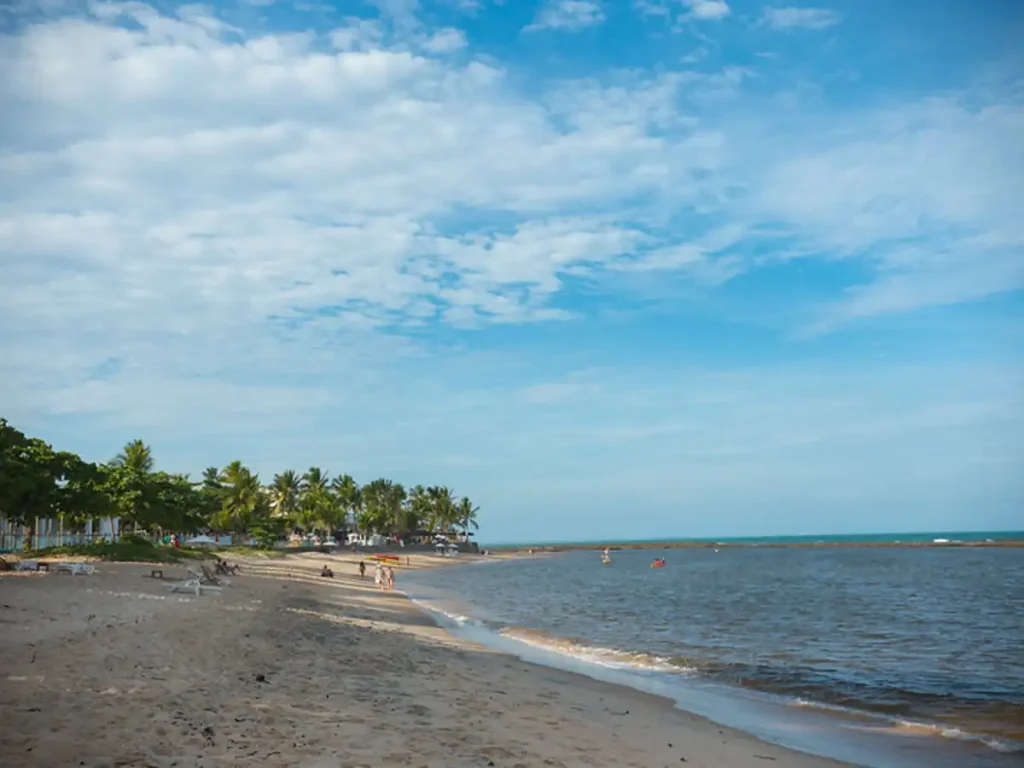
<point>960,537</point>
<point>910,658</point>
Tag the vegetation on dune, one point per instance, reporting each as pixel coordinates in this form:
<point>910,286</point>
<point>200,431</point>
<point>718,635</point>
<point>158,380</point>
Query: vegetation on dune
<point>126,552</point>
<point>37,482</point>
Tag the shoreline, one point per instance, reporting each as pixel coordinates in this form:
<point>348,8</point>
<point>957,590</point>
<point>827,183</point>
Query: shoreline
<point>850,735</point>
<point>282,668</point>
<point>703,544</point>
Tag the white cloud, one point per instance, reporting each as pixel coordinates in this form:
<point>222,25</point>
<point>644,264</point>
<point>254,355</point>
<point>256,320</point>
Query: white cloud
<point>708,10</point>
<point>568,15</point>
<point>197,200</point>
<point>651,8</point>
<point>446,40</point>
<point>924,192</point>
<point>800,18</point>
<point>176,189</point>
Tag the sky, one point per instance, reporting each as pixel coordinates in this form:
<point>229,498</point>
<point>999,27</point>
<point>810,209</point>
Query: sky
<point>633,269</point>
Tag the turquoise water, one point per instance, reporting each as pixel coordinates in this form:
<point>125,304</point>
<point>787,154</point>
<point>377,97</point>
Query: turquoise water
<point>851,538</point>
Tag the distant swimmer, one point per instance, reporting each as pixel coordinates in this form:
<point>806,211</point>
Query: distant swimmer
<point>658,563</point>
<point>606,557</point>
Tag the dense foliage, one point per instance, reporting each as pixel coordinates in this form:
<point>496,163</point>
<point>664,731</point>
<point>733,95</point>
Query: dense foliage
<point>38,482</point>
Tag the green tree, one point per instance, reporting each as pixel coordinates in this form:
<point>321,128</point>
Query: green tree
<point>37,481</point>
<point>243,499</point>
<point>129,483</point>
<point>442,508</point>
<point>285,493</point>
<point>176,504</point>
<point>347,498</point>
<point>466,516</point>
<point>32,478</point>
<point>420,505</point>
<point>136,456</point>
<point>316,503</point>
<point>211,478</point>
<point>383,502</point>
<point>82,495</point>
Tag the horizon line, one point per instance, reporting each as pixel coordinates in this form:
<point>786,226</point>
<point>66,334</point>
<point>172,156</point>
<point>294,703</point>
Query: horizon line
<point>1003,534</point>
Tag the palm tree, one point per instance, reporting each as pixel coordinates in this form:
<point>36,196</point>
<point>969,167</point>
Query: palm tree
<point>466,516</point>
<point>136,456</point>
<point>419,503</point>
<point>316,504</point>
<point>285,492</point>
<point>383,502</point>
<point>243,497</point>
<point>442,504</point>
<point>346,496</point>
<point>211,478</point>
<point>133,467</point>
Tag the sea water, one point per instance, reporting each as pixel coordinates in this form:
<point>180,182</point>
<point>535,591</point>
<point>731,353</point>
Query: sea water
<point>884,657</point>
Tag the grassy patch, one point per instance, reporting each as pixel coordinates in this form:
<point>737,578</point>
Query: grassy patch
<point>250,552</point>
<point>122,552</point>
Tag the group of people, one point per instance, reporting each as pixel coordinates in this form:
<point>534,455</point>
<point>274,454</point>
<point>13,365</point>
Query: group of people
<point>383,577</point>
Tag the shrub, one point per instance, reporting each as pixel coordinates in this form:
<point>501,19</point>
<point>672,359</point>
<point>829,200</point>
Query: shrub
<point>136,540</point>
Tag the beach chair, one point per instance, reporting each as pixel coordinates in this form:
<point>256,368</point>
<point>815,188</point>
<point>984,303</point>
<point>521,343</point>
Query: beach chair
<point>206,577</point>
<point>192,584</point>
<point>76,569</point>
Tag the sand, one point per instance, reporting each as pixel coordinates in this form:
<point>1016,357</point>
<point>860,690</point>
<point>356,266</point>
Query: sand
<point>283,668</point>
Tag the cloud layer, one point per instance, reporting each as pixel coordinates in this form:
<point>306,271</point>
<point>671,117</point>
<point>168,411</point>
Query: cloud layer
<point>800,18</point>
<point>252,223</point>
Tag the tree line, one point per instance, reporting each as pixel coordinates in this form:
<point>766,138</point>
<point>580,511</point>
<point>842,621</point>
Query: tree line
<point>37,481</point>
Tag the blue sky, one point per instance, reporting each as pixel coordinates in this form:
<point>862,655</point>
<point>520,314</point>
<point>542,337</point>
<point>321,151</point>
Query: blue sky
<point>649,268</point>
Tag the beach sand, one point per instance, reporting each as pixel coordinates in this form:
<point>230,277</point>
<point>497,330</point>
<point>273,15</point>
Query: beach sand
<point>283,668</point>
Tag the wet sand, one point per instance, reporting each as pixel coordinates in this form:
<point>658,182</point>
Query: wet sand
<point>283,668</point>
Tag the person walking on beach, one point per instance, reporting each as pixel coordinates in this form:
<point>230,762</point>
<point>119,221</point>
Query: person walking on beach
<point>378,576</point>
<point>390,574</point>
<point>362,570</point>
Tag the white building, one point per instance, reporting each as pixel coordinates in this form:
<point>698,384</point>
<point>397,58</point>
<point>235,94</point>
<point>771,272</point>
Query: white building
<point>367,539</point>
<point>50,532</point>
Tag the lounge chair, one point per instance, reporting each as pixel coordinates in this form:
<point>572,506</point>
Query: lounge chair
<point>76,569</point>
<point>192,584</point>
<point>206,577</point>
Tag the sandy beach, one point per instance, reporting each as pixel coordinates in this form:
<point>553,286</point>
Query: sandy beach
<point>284,668</point>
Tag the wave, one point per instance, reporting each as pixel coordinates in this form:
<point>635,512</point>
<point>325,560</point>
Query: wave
<point>1002,745</point>
<point>457,619</point>
<point>789,692</point>
<point>613,658</point>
